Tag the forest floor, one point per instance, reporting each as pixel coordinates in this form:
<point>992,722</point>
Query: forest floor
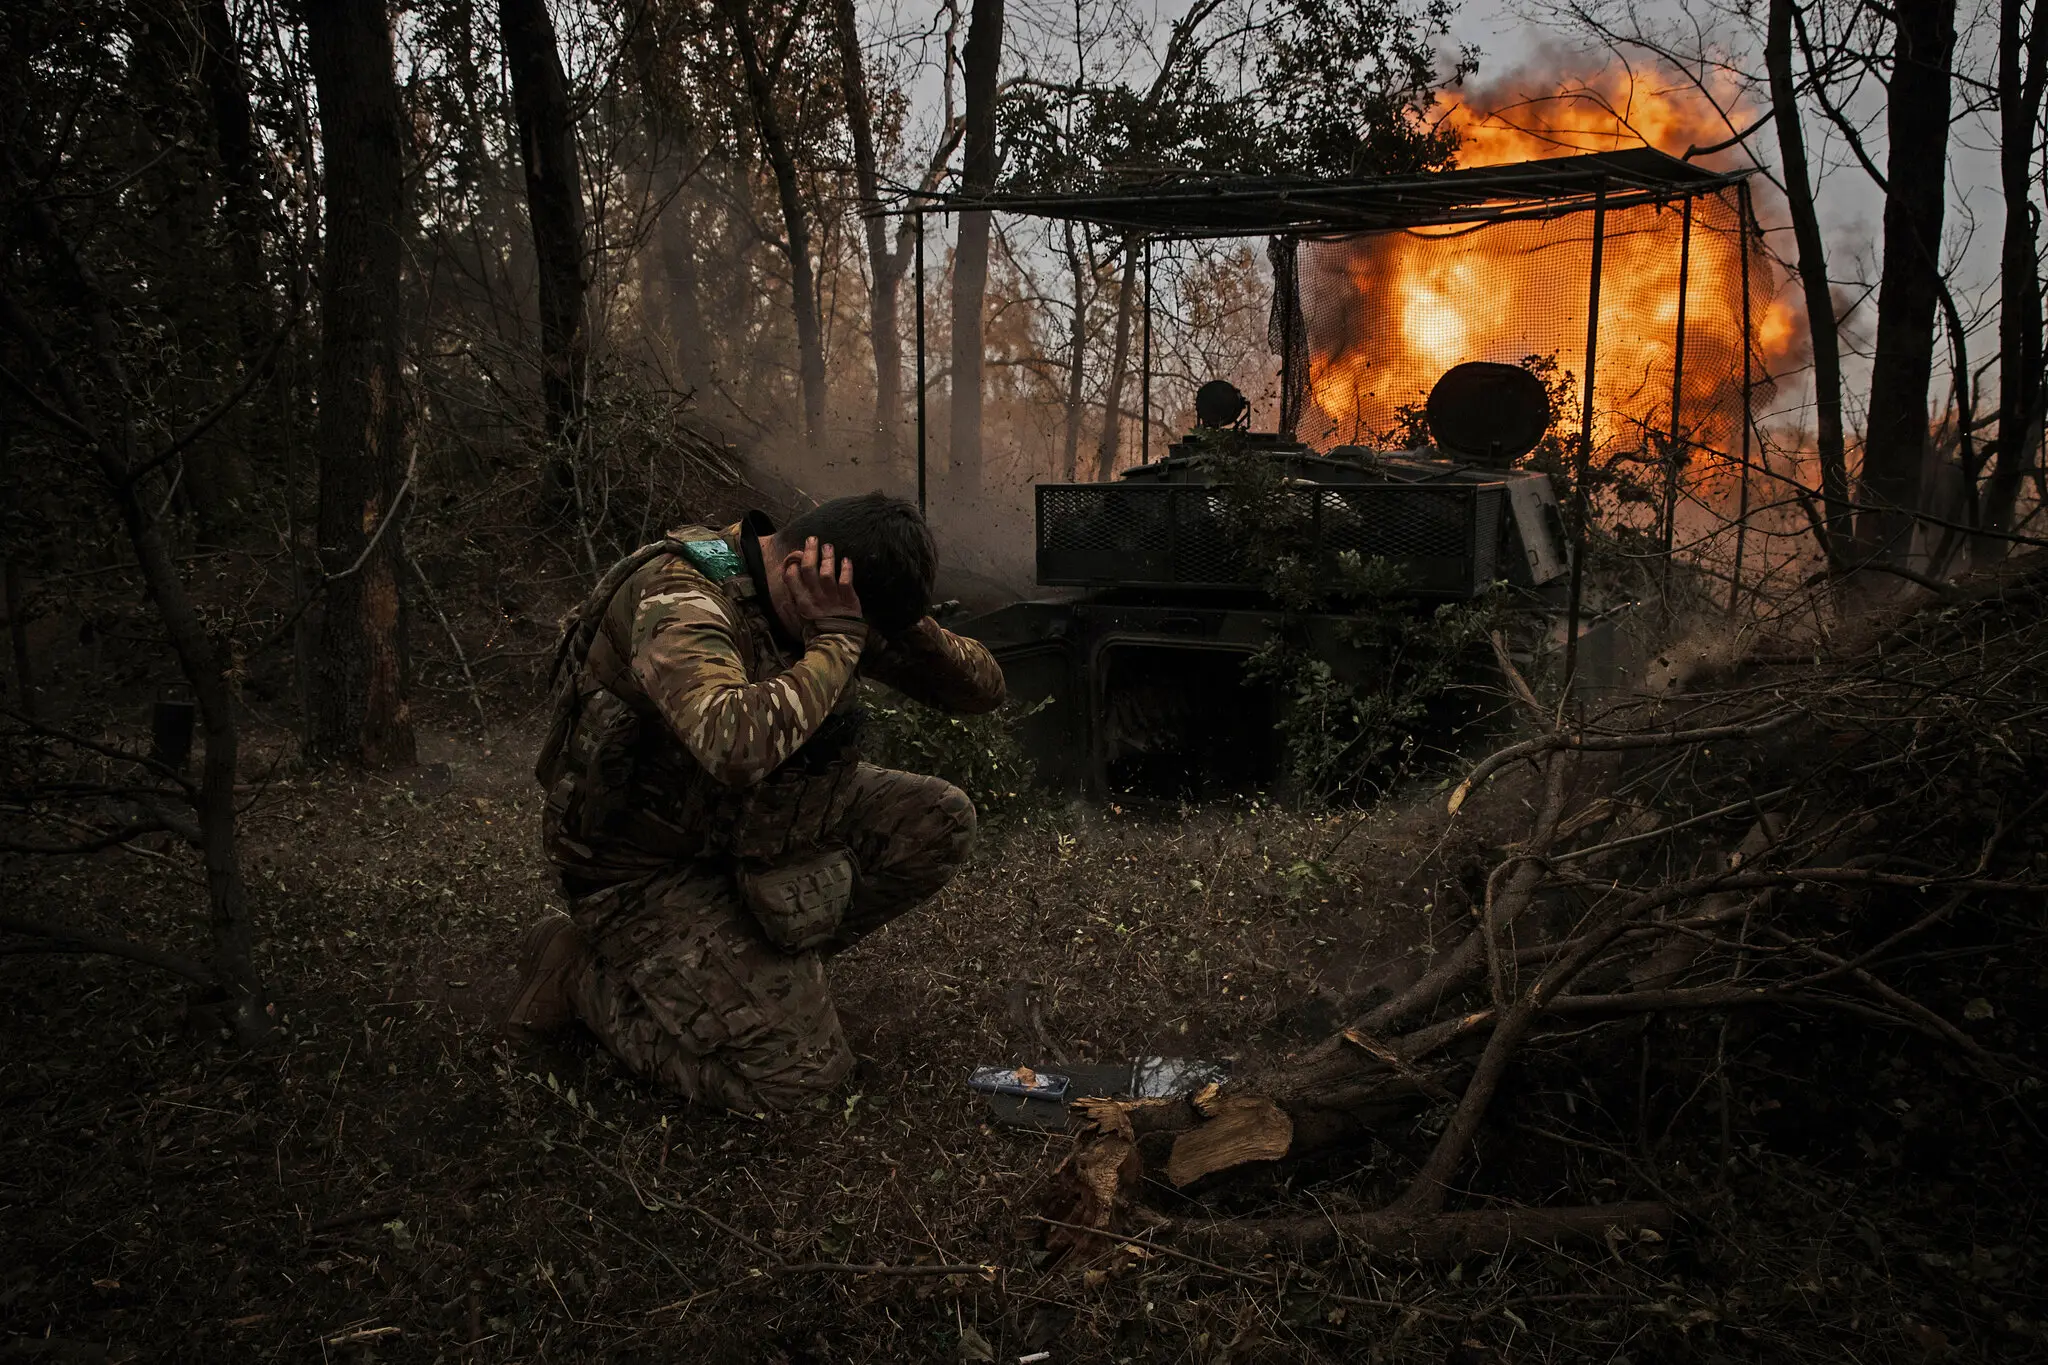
<point>399,1180</point>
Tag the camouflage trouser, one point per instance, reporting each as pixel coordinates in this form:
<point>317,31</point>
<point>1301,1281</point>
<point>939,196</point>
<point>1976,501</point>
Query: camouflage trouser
<point>684,988</point>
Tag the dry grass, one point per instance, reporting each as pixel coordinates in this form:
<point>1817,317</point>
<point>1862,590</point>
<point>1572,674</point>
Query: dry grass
<point>399,1182</point>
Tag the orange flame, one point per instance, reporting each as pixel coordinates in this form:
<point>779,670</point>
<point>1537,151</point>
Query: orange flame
<point>1389,314</point>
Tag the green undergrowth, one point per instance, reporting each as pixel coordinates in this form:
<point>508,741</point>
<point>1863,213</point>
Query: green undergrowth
<point>984,756</point>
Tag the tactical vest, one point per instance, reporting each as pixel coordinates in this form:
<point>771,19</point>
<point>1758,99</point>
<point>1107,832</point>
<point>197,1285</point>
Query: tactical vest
<point>626,798</point>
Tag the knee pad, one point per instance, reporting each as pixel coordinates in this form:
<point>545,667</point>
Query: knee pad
<point>801,904</point>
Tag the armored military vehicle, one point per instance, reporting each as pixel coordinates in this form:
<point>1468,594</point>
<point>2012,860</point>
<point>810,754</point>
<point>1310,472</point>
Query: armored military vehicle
<point>1134,655</point>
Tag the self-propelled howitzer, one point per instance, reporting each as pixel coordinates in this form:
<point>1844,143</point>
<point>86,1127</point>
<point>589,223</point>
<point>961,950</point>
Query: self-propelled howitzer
<point>1160,588</point>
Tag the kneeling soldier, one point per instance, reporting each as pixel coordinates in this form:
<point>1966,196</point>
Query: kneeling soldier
<point>715,832</point>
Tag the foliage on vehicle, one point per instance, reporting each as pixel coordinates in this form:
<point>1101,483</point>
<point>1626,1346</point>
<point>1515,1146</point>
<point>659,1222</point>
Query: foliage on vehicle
<point>1342,740</point>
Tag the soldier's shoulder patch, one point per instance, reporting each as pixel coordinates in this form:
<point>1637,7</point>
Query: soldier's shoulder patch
<point>715,559</point>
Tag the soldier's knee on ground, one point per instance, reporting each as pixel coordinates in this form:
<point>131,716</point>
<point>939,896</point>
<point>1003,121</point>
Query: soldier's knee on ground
<point>797,1088</point>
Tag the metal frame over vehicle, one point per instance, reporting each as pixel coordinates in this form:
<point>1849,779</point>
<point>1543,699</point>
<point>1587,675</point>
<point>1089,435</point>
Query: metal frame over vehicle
<point>1147,570</point>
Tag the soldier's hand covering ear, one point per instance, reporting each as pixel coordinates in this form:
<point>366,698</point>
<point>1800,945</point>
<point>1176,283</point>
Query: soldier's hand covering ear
<point>820,584</point>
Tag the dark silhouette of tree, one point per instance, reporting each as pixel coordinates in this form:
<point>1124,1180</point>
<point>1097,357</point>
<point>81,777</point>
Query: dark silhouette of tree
<point>554,210</point>
<point>359,708</point>
<point>1812,268</point>
<point>980,63</point>
<point>1909,288</point>
<point>763,71</point>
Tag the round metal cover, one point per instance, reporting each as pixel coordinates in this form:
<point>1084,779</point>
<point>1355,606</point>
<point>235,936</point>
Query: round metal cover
<point>1219,404</point>
<point>1488,411</point>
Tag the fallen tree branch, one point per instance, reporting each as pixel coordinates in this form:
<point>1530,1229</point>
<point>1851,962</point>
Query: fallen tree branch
<point>1150,1247</point>
<point>1649,739</point>
<point>1435,1236</point>
<point>879,1268</point>
<point>61,939</point>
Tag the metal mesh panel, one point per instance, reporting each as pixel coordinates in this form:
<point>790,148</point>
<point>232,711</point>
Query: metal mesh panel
<point>1443,539</point>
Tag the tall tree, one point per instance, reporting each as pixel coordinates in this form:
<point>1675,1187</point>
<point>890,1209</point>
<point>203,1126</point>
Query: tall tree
<point>204,302</point>
<point>1813,283</point>
<point>359,695</point>
<point>82,325</point>
<point>1079,259</point>
<point>2022,79</point>
<point>980,63</point>
<point>244,211</point>
<point>762,69</point>
<point>554,208</point>
<point>885,266</point>
<point>1119,360</point>
<point>1909,286</point>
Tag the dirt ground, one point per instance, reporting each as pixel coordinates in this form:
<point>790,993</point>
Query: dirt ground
<point>398,1181</point>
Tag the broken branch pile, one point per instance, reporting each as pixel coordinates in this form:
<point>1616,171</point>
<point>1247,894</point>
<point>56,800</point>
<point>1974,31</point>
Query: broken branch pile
<point>1784,834</point>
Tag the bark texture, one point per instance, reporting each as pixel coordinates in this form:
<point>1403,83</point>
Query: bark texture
<point>554,209</point>
<point>1107,448</point>
<point>2022,76</point>
<point>1821,325</point>
<point>1917,124</point>
<point>980,61</point>
<point>885,266</point>
<point>761,69</point>
<point>1077,357</point>
<point>359,697</point>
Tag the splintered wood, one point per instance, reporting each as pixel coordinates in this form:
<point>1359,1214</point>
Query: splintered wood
<point>1097,1176</point>
<point>1240,1128</point>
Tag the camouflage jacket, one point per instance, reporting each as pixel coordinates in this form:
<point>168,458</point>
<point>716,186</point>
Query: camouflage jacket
<point>701,729</point>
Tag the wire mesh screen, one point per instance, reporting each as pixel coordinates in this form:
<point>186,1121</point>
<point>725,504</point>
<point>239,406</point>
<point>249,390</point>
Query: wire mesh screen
<point>1442,539</point>
<point>1387,314</point>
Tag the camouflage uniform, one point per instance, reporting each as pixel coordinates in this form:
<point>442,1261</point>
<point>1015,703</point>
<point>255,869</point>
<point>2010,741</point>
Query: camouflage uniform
<point>701,741</point>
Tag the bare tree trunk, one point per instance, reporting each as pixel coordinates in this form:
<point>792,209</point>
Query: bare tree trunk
<point>796,224</point>
<point>2022,77</point>
<point>980,61</point>
<point>684,319</point>
<point>1813,283</point>
<point>234,134</point>
<point>1917,123</point>
<point>200,657</point>
<point>554,208</point>
<point>1119,365</point>
<point>1077,354</point>
<point>359,705</point>
<point>17,635</point>
<point>199,298</point>
<point>885,266</point>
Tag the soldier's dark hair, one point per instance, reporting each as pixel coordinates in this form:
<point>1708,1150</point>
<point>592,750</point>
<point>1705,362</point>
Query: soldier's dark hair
<point>894,558</point>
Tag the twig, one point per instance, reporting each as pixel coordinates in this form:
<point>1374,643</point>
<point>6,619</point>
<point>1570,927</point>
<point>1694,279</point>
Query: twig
<point>1896,998</point>
<point>879,1268</point>
<point>1516,682</point>
<point>475,695</point>
<point>1745,804</point>
<point>1150,1245</point>
<point>1649,739</point>
<point>62,939</point>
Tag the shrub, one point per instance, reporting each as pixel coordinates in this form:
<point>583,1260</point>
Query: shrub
<point>981,755</point>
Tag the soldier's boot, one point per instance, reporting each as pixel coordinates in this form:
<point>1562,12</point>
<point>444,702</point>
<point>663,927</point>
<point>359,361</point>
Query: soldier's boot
<point>549,956</point>
<point>801,904</point>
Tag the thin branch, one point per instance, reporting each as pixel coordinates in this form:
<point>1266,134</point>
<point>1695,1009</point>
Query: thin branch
<point>1659,739</point>
<point>61,939</point>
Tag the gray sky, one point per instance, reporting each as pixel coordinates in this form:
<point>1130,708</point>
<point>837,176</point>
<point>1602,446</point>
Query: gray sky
<point>1519,54</point>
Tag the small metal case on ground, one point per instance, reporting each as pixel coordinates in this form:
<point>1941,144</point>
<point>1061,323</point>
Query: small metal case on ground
<point>1020,1081</point>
